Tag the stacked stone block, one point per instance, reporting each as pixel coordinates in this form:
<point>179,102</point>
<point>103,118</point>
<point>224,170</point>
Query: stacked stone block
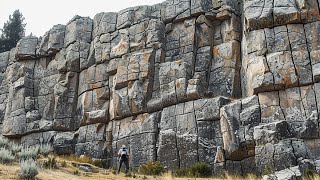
<point>231,83</point>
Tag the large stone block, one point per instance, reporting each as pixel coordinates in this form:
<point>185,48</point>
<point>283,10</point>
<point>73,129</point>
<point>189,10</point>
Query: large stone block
<point>181,38</point>
<point>104,23</point>
<point>38,138</point>
<point>175,10</point>
<point>133,15</point>
<point>167,152</point>
<point>283,70</point>
<point>226,55</point>
<point>271,133</point>
<point>270,107</point>
<point>78,29</point>
<point>224,82</point>
<point>53,41</point>
<point>26,48</point>
<point>209,139</point>
<point>64,143</point>
<point>268,13</point>
<point>230,124</point>
<point>258,76</point>
<point>199,7</point>
<point>259,14</point>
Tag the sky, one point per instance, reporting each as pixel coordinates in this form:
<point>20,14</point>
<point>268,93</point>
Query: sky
<point>41,15</point>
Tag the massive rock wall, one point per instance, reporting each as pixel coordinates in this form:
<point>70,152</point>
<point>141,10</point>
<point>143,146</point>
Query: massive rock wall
<point>231,83</point>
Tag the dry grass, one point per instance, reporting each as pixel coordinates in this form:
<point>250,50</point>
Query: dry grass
<point>314,177</point>
<point>67,173</point>
<point>10,172</point>
<point>82,159</point>
<point>248,177</point>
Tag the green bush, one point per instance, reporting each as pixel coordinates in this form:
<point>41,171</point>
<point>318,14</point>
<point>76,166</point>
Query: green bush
<point>151,168</point>
<point>28,169</point>
<point>199,169</point>
<point>6,156</point>
<point>29,152</point>
<point>45,149</point>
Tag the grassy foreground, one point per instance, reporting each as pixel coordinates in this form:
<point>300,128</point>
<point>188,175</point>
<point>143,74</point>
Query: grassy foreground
<point>68,170</point>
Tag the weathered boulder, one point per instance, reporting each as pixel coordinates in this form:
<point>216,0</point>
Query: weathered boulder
<point>234,84</point>
<point>53,41</point>
<point>26,48</point>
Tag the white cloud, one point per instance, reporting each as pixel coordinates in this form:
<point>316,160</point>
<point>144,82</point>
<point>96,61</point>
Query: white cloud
<point>41,15</point>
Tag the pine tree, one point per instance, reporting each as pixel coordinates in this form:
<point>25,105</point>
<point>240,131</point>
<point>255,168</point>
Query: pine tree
<point>12,31</point>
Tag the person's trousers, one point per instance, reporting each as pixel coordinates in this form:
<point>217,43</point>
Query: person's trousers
<point>126,163</point>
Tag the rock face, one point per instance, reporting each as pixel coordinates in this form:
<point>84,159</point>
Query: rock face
<point>235,84</point>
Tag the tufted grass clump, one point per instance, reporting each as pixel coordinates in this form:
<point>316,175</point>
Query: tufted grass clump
<point>15,148</point>
<point>45,149</point>
<point>29,152</point>
<point>4,142</point>
<point>28,169</point>
<point>183,172</point>
<point>63,163</point>
<point>51,163</point>
<point>6,156</point>
<point>151,168</point>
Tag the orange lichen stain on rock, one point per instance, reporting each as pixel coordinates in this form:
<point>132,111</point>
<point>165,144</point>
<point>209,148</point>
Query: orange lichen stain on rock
<point>178,85</point>
<point>94,86</point>
<point>215,51</point>
<point>287,80</point>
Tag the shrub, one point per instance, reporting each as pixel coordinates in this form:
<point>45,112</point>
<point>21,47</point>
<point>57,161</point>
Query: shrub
<point>45,149</point>
<point>64,163</point>
<point>50,163</point>
<point>151,168</point>
<point>6,156</point>
<point>4,142</point>
<point>28,169</point>
<point>15,148</point>
<point>200,169</point>
<point>29,152</point>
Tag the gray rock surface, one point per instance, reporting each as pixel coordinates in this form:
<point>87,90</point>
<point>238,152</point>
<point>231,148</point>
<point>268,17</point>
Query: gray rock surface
<point>234,84</point>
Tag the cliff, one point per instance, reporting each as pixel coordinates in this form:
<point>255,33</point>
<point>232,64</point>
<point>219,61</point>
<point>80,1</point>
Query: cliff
<point>235,84</point>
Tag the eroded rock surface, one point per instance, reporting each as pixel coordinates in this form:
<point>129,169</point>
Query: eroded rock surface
<point>179,82</point>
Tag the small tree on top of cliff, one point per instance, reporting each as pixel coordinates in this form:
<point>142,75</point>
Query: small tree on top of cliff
<point>13,30</point>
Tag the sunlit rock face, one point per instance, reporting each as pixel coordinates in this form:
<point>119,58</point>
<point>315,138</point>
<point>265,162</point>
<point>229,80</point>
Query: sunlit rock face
<point>235,84</point>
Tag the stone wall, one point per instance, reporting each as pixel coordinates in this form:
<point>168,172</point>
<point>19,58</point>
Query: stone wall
<point>231,83</point>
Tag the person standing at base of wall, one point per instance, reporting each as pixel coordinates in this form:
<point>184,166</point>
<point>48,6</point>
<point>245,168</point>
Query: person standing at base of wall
<point>123,156</point>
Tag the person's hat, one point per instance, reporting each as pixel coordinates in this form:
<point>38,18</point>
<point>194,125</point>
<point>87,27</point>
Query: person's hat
<point>123,146</point>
